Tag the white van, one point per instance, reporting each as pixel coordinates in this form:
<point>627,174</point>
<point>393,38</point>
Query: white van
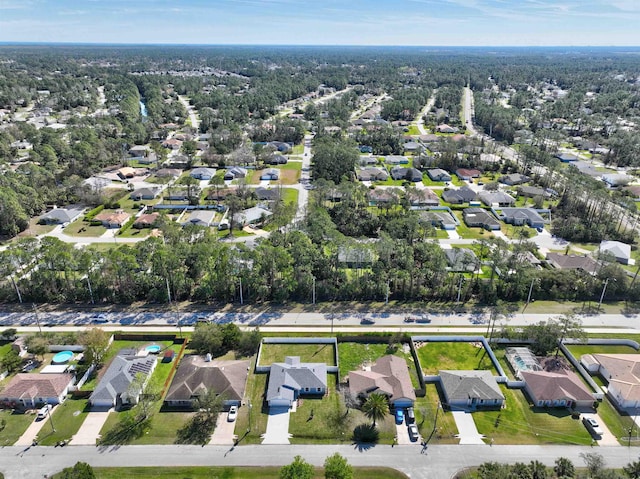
<point>43,411</point>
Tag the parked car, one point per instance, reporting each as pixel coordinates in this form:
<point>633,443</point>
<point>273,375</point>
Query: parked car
<point>43,411</point>
<point>592,426</point>
<point>100,318</point>
<point>367,321</point>
<point>423,319</point>
<point>233,414</point>
<point>410,415</point>
<point>409,319</point>
<point>399,416</point>
<point>413,432</point>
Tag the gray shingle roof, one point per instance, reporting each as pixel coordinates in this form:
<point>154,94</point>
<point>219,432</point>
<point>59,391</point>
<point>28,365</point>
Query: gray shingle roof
<point>464,385</point>
<point>285,379</point>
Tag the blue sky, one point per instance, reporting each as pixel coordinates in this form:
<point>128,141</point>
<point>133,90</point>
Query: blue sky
<point>324,22</point>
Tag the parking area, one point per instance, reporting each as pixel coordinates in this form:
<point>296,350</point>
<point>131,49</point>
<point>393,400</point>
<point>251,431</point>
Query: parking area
<point>32,431</point>
<point>607,438</point>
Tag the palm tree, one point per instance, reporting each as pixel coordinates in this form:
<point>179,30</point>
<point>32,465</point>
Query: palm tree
<point>375,407</point>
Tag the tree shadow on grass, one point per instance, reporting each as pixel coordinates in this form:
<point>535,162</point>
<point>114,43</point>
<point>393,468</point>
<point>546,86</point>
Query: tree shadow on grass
<point>126,430</point>
<point>198,430</point>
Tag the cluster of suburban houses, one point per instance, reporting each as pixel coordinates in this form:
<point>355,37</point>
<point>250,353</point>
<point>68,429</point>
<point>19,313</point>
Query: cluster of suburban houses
<point>544,382</point>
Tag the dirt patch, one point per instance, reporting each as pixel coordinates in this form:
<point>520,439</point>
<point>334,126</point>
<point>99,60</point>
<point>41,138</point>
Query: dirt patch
<point>289,177</point>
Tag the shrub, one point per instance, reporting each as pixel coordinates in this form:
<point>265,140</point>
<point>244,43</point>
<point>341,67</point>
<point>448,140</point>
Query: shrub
<point>92,213</point>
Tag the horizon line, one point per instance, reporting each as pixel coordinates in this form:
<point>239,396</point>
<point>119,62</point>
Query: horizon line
<point>302,45</point>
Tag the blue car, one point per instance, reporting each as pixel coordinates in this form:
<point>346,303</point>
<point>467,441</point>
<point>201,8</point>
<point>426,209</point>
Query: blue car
<point>399,416</point>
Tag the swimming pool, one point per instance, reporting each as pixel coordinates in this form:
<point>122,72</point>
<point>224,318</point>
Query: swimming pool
<point>153,349</point>
<point>62,357</point>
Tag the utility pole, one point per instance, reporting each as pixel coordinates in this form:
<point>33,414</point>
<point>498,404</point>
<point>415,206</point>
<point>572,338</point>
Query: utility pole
<point>90,290</point>
<point>314,290</point>
<point>460,287</point>
<point>15,285</point>
<point>168,289</point>
<point>604,290</point>
<point>35,311</point>
<point>241,298</point>
<point>386,298</point>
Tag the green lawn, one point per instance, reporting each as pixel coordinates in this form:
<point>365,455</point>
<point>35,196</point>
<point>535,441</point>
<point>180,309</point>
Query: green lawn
<point>297,149</point>
<point>82,228</point>
<point>429,182</point>
<point>67,419</point>
<point>519,423</point>
<point>512,232</point>
<point>413,130</point>
<point>254,418</point>
<point>15,426</point>
<point>470,233</point>
<point>618,424</point>
<point>449,355</point>
<point>290,195</point>
<point>353,355</point>
<point>312,353</point>
<point>219,472</point>
<point>579,349</point>
<point>291,165</point>
<point>426,409</point>
<point>163,425</point>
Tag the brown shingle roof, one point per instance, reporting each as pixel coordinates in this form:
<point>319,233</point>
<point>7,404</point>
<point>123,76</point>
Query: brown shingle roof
<point>552,386</point>
<point>389,376</point>
<point>195,376</point>
<point>36,386</point>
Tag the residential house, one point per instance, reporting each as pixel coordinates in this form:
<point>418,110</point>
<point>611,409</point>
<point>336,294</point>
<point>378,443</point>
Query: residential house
<point>61,215</point>
<point>439,219</point>
<point>412,146</point>
<point>521,217</point>
<point>622,373</point>
<point>496,198</point>
<point>616,180</point>
<point>532,192</point>
<point>587,169</point>
<point>461,260</point>
<point>571,261</point>
<point>470,389</point>
<point>139,152</point>
<point>355,256</point>
<point>203,173</point>
<point>383,196</point>
<point>467,174</point>
<point>266,194</point>
<point>429,138</point>
<point>114,388</point>
<point>566,157</point>
<point>251,216</point>
<point>459,196</point>
<point>367,160</point>
<point>235,172</point>
<point>147,220</point>
<point>422,197</point>
<point>410,174</point>
<point>620,251</point>
<point>444,128</point>
<point>196,376</point>
<point>279,146</point>
<point>126,172</point>
<point>180,193</point>
<point>372,174</point>
<point>145,194</point>
<point>480,218</point>
<point>112,220</point>
<point>634,190</point>
<point>560,388</point>
<point>396,160</point>
<point>172,144</point>
<point>388,376</point>
<point>200,218</point>
<point>438,174</point>
<point>218,194</point>
<point>276,160</point>
<point>270,174</point>
<point>292,379</point>
<point>168,173</point>
<point>514,179</point>
<point>30,390</point>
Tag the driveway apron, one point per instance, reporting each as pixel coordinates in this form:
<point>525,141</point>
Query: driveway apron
<point>468,433</point>
<point>277,426</point>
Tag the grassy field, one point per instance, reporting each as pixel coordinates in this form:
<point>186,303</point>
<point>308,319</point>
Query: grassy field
<point>437,430</point>
<point>82,228</point>
<point>135,233</point>
<point>311,353</point>
<point>15,426</point>
<point>519,423</point>
<point>194,472</point>
<point>579,349</point>
<point>618,424</point>
<point>470,233</point>
<point>297,149</point>
<point>67,419</point>
<point>413,130</point>
<point>326,421</point>
<point>449,355</point>
<point>353,355</point>
<point>254,418</point>
<point>290,195</point>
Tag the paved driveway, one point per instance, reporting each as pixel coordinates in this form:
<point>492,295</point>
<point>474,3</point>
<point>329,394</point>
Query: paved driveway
<point>224,432</point>
<point>32,431</point>
<point>467,431</point>
<point>90,429</point>
<point>607,439</point>
<point>402,433</point>
<point>277,426</point>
